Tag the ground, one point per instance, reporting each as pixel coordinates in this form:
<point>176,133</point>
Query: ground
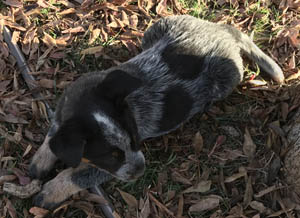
<point>227,162</point>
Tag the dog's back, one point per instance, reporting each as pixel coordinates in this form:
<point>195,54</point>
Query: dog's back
<point>187,64</point>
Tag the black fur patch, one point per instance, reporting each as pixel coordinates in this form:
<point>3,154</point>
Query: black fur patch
<point>185,66</point>
<point>68,142</point>
<point>177,106</point>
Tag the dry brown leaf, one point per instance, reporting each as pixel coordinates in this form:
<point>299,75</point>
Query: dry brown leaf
<point>249,148</point>
<point>248,192</point>
<point>28,149</point>
<point>13,3</point>
<point>179,178</point>
<point>198,143</point>
<point>208,203</point>
<point>10,118</point>
<point>161,206</point>
<point>256,82</point>
<point>202,186</point>
<point>180,207</point>
<point>23,180</point>
<point>7,178</point>
<point>37,211</point>
<point>161,7</point>
<point>284,110</point>
<point>66,3</point>
<point>129,199</point>
<point>94,35</point>
<point>28,38</point>
<point>10,207</point>
<point>265,191</point>
<point>293,76</point>
<point>48,40</point>
<point>133,21</point>
<point>87,207</point>
<point>14,25</point>
<point>256,205</point>
<point>125,18</point>
<point>145,211</point>
<point>46,83</point>
<point>242,172</point>
<point>92,50</point>
<point>67,11</point>
<point>74,30</point>
<point>15,37</point>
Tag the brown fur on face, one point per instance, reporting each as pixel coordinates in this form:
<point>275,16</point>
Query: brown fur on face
<point>43,160</point>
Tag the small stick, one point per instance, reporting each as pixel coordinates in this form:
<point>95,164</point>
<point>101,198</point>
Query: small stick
<point>107,209</point>
<point>29,79</point>
<point>31,83</point>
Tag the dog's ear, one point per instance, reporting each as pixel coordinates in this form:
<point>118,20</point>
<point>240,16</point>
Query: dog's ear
<point>117,85</point>
<point>68,142</point>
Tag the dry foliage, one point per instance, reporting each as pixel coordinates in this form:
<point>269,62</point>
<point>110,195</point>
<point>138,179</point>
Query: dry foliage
<point>225,163</point>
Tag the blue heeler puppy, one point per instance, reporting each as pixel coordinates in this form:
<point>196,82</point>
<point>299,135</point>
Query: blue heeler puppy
<point>101,119</point>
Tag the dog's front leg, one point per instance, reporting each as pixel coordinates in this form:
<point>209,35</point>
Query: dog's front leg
<point>44,159</point>
<point>67,183</point>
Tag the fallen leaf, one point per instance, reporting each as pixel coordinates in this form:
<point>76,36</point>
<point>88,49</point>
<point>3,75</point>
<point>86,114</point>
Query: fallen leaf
<point>293,76</point>
<point>161,7</point>
<point>48,40</point>
<point>256,82</point>
<point>202,186</point>
<point>7,178</point>
<point>10,207</point>
<point>208,203</point>
<point>68,11</point>
<point>242,173</point>
<point>23,180</point>
<point>46,83</point>
<point>256,205</point>
<point>265,191</point>
<point>249,147</point>
<point>13,3</point>
<point>248,192</point>
<point>179,178</point>
<point>74,30</point>
<point>28,149</point>
<point>94,35</point>
<point>92,50</point>
<point>198,143</point>
<point>37,211</point>
<point>129,199</point>
<point>145,211</point>
<point>15,37</point>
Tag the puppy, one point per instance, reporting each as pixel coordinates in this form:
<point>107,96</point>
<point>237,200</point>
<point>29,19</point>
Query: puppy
<point>101,119</point>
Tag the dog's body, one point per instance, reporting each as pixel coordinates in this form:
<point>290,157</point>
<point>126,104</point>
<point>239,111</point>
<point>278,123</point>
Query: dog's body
<point>187,64</point>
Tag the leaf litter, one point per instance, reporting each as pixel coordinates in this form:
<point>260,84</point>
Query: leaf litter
<point>63,38</point>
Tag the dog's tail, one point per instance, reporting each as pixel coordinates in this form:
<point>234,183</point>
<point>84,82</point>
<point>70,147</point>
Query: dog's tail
<point>256,54</point>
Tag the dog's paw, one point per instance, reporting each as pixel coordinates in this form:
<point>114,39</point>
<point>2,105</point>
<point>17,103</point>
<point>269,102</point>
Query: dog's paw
<point>41,201</point>
<point>42,162</point>
<point>57,190</point>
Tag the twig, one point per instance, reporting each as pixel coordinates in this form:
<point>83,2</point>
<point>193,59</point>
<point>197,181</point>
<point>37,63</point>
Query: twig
<point>29,79</point>
<point>107,209</point>
<point>31,83</point>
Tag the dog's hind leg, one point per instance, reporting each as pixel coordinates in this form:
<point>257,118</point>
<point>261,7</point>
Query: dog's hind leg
<point>44,159</point>
<point>67,183</point>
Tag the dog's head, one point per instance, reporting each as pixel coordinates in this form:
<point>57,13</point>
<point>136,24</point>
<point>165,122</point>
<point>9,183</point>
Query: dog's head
<point>101,129</point>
